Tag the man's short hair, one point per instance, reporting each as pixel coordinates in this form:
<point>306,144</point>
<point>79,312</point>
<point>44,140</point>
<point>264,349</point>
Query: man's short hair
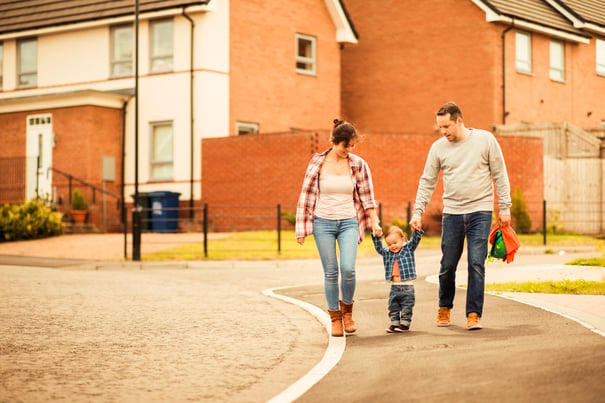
<point>452,109</point>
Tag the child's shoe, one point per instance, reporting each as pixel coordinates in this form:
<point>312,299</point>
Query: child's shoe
<point>393,329</point>
<point>403,328</point>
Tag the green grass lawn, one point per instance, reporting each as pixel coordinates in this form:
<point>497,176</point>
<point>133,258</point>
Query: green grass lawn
<point>579,287</point>
<point>262,245</point>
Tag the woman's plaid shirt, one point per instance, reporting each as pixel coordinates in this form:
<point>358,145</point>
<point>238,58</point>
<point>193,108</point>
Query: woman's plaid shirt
<point>363,193</point>
<point>405,257</point>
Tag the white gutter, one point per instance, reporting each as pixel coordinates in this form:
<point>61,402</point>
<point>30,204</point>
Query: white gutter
<point>577,22</point>
<point>344,31</point>
<point>492,16</point>
<point>64,100</point>
<point>106,21</point>
<point>594,28</point>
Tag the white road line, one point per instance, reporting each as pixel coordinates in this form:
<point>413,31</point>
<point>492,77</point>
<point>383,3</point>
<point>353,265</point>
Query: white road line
<point>333,354</point>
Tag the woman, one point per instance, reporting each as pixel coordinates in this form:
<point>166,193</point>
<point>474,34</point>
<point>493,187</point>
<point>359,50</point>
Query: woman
<point>335,205</point>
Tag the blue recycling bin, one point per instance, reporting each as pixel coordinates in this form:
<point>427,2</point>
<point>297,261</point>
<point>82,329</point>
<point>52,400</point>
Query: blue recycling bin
<point>164,211</point>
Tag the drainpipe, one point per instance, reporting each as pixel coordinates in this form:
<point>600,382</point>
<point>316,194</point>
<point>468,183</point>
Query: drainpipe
<point>122,165</point>
<point>504,113</point>
<point>190,114</point>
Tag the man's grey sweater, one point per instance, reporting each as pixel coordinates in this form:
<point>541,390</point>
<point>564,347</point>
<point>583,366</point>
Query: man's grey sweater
<point>470,168</point>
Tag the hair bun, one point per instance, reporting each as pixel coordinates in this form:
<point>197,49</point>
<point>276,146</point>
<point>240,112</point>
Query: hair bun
<point>337,122</point>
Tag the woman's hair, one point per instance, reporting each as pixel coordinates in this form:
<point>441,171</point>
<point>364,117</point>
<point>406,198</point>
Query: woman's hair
<point>452,109</point>
<point>343,131</point>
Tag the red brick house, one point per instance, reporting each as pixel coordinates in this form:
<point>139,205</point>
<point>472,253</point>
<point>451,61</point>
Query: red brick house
<point>510,65</point>
<point>72,105</point>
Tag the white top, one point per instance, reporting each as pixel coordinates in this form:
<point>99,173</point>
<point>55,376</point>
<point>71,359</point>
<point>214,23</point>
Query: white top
<point>335,197</point>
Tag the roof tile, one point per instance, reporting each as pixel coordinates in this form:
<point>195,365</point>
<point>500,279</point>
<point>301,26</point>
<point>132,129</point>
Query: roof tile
<point>21,15</point>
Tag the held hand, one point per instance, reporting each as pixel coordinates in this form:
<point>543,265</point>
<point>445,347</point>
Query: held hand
<point>504,220</point>
<point>416,224</point>
<point>376,230</point>
<point>300,240</point>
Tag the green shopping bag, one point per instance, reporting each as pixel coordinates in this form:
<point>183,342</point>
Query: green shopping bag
<point>498,249</point>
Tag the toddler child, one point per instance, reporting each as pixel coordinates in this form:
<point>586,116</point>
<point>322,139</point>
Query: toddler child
<point>400,271</point>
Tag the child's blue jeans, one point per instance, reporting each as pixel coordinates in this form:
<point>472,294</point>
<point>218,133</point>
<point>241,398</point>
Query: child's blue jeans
<point>401,304</point>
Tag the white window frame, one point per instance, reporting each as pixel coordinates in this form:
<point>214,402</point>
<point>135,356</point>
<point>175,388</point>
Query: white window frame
<point>523,52</point>
<point>161,62</point>
<point>600,56</point>
<point>156,163</point>
<point>27,76</point>
<point>557,60</point>
<point>306,64</point>
<point>121,65</point>
<point>242,128</point>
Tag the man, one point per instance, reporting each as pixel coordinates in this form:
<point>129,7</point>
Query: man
<point>471,162</point>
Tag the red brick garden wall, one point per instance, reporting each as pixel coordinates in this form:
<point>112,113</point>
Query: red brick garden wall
<point>250,175</point>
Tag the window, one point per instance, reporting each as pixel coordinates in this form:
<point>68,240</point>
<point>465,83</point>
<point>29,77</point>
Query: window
<point>557,60</point>
<point>27,54</point>
<point>121,51</point>
<point>305,54</point>
<point>600,43</point>
<point>161,151</point>
<point>246,128</point>
<point>161,42</point>
<point>1,64</point>
<point>523,52</point>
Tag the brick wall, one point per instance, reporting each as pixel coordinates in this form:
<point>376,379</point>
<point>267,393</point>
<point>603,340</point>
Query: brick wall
<point>241,175</point>
<point>536,98</point>
<point>412,59</point>
<point>264,85</point>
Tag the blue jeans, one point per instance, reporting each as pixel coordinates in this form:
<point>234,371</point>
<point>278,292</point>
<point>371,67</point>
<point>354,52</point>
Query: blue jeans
<point>401,304</point>
<point>455,227</point>
<point>327,233</point>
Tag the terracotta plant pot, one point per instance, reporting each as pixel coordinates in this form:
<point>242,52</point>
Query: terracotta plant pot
<point>79,216</point>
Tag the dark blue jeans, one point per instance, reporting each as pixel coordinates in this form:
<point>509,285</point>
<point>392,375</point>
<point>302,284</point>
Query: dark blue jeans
<point>475,227</point>
<point>401,304</point>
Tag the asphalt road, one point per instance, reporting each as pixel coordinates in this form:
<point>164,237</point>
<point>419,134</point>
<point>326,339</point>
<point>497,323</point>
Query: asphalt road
<point>97,331</point>
<point>524,354</point>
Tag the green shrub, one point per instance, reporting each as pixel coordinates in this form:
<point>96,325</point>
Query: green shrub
<point>553,220</point>
<point>289,217</point>
<point>77,201</point>
<point>519,212</point>
<point>31,220</point>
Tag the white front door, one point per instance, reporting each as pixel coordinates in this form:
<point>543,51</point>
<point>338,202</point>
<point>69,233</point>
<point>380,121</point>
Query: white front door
<point>39,157</point>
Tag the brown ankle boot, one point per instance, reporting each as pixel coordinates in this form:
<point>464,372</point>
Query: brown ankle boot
<point>336,318</point>
<point>347,317</point>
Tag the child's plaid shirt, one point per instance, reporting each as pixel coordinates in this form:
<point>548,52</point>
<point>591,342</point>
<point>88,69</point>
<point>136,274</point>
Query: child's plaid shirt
<point>405,257</point>
<point>363,194</point>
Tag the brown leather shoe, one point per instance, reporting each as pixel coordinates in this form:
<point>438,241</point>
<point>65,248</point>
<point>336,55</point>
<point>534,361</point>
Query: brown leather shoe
<point>443,316</point>
<point>347,317</point>
<point>336,319</point>
<point>473,322</point>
